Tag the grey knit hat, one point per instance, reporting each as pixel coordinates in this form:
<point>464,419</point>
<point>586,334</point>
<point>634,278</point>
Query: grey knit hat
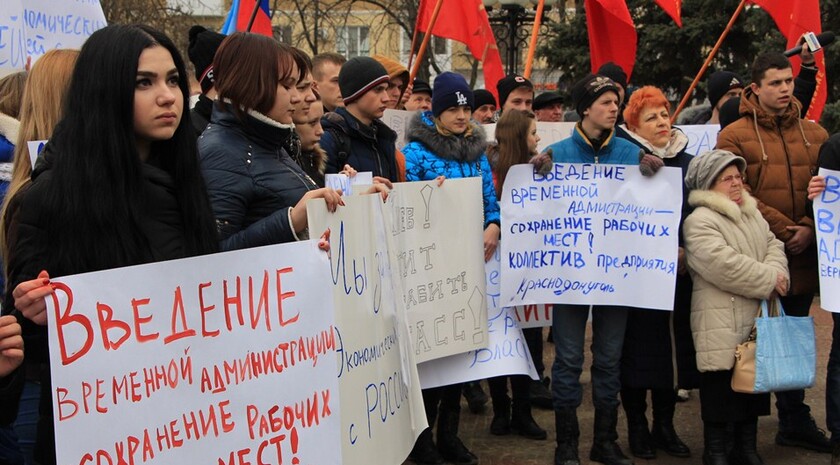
<point>705,168</point>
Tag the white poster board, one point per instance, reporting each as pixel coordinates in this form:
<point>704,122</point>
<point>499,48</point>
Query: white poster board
<point>590,234</point>
<point>701,137</point>
<point>437,234</point>
<point>549,132</point>
<point>28,28</point>
<point>827,222</point>
<point>506,352</point>
<point>346,183</point>
<point>398,121</point>
<point>217,359</point>
<point>382,408</point>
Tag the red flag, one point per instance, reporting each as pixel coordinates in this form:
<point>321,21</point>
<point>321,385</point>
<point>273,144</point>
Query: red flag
<point>794,18</point>
<point>612,35</point>
<point>240,13</point>
<point>466,21</point>
<point>672,7</point>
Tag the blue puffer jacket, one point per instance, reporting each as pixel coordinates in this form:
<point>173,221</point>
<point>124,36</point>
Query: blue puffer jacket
<point>578,149</point>
<point>430,154</point>
<point>251,181</point>
<point>366,148</point>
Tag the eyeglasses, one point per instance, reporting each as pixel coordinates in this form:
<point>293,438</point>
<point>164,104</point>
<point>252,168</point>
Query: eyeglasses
<point>731,178</point>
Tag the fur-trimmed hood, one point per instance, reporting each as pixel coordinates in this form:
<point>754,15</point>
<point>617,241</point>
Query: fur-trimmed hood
<point>9,128</point>
<point>467,148</point>
<point>722,204</point>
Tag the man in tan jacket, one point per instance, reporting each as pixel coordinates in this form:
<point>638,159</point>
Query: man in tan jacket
<point>781,151</point>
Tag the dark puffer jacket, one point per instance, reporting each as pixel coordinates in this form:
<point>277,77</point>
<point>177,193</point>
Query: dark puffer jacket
<point>366,148</point>
<point>251,181</point>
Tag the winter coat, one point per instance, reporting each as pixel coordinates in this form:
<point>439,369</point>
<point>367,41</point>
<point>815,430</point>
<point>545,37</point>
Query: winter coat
<point>658,351</point>
<point>9,128</point>
<point>578,149</point>
<point>313,163</point>
<point>200,114</point>
<point>252,182</point>
<point>430,154</point>
<point>781,155</point>
<point>347,140</point>
<point>734,260</point>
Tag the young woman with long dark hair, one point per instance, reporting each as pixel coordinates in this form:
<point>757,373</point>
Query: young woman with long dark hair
<point>118,184</point>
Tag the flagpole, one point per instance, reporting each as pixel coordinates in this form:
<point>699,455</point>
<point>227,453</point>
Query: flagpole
<point>414,37</point>
<point>711,56</point>
<point>534,33</point>
<point>253,15</point>
<point>426,38</point>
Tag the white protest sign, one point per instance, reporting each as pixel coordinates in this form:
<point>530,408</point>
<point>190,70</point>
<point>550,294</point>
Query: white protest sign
<point>225,358</point>
<point>382,408</point>
<point>398,121</point>
<point>533,315</point>
<point>506,352</point>
<point>346,183</point>
<point>437,234</point>
<point>590,234</point>
<point>549,132</point>
<point>827,221</point>
<point>701,137</point>
<point>35,147</point>
<point>28,28</point>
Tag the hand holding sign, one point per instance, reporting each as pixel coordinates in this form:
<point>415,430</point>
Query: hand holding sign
<point>29,298</point>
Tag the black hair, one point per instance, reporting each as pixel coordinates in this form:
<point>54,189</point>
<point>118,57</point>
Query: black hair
<point>96,200</point>
<point>765,61</point>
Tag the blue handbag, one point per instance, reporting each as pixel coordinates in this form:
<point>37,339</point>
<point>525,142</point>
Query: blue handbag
<point>785,352</point>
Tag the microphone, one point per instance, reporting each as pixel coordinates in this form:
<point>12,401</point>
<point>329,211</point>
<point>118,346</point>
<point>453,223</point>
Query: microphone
<point>824,39</point>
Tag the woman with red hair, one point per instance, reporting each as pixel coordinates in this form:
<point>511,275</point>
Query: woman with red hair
<point>658,351</point>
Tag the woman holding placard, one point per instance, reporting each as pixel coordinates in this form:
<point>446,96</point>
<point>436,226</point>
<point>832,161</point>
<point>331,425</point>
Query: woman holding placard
<point>735,262</point>
<point>118,184</point>
<point>657,354</point>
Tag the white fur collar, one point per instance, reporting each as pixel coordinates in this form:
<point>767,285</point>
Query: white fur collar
<point>9,128</point>
<point>265,119</point>
<point>722,204</point>
<point>676,144</point>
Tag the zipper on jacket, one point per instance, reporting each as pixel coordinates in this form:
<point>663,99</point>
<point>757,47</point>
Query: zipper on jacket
<point>790,171</point>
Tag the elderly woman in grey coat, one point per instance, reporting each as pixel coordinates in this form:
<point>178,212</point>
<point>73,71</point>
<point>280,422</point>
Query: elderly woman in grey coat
<point>735,262</point>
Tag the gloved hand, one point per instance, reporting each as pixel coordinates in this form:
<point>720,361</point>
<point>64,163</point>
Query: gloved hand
<point>649,164</point>
<point>542,161</point>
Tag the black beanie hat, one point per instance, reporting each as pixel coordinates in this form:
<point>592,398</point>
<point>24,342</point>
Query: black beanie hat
<point>201,50</point>
<point>730,112</point>
<point>358,76</point>
<point>588,89</point>
<point>614,72</point>
<point>545,99</point>
<point>483,97</point>
<point>720,82</point>
<point>451,90</point>
<point>421,87</point>
<point>507,84</point>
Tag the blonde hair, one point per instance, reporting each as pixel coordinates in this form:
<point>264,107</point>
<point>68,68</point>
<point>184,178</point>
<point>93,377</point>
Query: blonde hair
<point>40,111</point>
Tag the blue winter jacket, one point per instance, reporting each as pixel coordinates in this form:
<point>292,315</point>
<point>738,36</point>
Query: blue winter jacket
<point>430,154</point>
<point>251,181</point>
<point>578,149</point>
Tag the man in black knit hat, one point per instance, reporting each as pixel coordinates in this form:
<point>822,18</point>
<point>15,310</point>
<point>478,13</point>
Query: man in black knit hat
<point>354,134</point>
<point>201,50</point>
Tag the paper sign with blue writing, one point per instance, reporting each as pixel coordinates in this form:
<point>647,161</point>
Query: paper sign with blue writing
<point>506,352</point>
<point>590,234</point>
<point>346,183</point>
<point>398,121</point>
<point>28,28</point>
<point>437,234</point>
<point>382,407</point>
<point>827,221</point>
<point>701,137</point>
<point>225,358</point>
<point>35,147</point>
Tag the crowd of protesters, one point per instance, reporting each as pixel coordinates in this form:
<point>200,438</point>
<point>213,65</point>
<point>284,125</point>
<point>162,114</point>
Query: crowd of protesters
<point>134,174</point>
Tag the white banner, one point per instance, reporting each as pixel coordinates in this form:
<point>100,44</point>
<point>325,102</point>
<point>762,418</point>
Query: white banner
<point>225,358</point>
<point>28,28</point>
<point>506,353</point>
<point>382,408</point>
<point>437,234</point>
<point>590,234</point>
<point>827,221</point>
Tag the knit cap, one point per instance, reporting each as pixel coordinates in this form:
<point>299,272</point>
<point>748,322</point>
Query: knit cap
<point>614,72</point>
<point>451,90</point>
<point>588,89</point>
<point>720,82</point>
<point>507,84</point>
<point>201,50</point>
<point>359,75</point>
<point>483,97</point>
<point>704,169</point>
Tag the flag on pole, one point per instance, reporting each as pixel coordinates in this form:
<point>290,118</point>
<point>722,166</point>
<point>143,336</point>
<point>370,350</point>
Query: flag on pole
<point>794,18</point>
<point>466,21</point>
<point>240,13</point>
<point>612,34</point>
<point>672,7</point>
